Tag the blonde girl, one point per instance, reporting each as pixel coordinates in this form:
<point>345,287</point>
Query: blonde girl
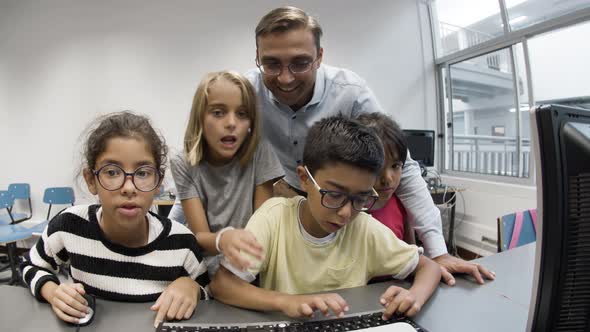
<point>225,170</point>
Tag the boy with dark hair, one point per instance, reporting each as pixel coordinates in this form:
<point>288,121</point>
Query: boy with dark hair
<point>327,242</point>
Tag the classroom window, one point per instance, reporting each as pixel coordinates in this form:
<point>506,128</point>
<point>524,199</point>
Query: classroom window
<point>527,52</point>
<point>486,138</point>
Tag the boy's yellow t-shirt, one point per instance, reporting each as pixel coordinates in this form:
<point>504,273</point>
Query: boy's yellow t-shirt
<point>293,264</point>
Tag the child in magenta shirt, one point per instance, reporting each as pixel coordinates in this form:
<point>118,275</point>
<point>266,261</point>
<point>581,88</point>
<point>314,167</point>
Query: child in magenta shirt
<point>389,209</point>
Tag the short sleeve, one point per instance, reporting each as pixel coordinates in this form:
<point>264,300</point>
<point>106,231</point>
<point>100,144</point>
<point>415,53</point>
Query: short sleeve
<point>260,224</point>
<point>46,256</point>
<point>267,167</point>
<point>392,256</point>
<point>184,177</point>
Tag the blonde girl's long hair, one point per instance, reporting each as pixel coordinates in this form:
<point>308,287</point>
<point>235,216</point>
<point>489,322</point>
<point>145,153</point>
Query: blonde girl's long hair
<point>194,143</point>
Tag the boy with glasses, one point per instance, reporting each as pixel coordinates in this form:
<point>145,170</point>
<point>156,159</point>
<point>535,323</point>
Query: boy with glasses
<point>326,241</point>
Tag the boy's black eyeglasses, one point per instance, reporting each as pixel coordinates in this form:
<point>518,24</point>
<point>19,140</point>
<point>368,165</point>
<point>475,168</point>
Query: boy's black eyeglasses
<point>112,177</point>
<point>275,69</point>
<point>335,199</point>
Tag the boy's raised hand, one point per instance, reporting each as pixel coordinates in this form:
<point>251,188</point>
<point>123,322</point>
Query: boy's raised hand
<point>399,300</point>
<point>66,300</point>
<point>297,306</point>
<point>234,241</point>
<point>177,301</point>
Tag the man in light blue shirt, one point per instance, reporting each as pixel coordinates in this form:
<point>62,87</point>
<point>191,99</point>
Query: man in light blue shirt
<point>295,90</point>
<point>336,91</point>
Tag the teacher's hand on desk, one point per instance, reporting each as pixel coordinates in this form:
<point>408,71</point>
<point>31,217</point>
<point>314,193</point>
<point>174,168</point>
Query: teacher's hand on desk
<point>450,265</point>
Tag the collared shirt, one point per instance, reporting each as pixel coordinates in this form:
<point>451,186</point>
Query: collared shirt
<point>340,91</point>
<point>337,91</point>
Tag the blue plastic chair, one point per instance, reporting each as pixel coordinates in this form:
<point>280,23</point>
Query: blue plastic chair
<point>517,229</point>
<point>21,191</point>
<point>9,234</point>
<point>58,195</point>
<point>6,202</point>
<point>54,196</point>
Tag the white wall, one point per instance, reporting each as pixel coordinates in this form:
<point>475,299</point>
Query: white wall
<point>62,62</point>
<point>478,207</point>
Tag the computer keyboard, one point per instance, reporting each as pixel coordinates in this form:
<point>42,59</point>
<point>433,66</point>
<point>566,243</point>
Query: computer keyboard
<point>348,323</point>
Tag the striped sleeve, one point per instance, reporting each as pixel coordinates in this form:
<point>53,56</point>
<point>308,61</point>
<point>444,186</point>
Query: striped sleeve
<point>45,258</point>
<point>193,262</point>
<point>107,269</point>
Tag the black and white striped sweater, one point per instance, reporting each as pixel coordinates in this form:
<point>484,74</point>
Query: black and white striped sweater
<point>109,270</point>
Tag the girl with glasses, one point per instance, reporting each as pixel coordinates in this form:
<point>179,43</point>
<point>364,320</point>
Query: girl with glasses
<point>118,249</point>
<point>225,171</point>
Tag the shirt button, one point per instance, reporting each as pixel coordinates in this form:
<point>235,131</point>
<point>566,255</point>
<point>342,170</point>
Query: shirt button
<point>295,143</point>
<point>299,161</point>
<point>294,117</point>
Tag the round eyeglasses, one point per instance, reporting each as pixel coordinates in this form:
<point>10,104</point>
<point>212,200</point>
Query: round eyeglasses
<point>112,177</point>
<point>332,199</point>
<point>276,68</point>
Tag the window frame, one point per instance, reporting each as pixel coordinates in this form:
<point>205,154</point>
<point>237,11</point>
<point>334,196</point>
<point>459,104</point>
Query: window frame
<point>509,40</point>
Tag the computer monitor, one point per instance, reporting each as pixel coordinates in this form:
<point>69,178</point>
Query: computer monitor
<point>421,146</point>
<point>561,286</point>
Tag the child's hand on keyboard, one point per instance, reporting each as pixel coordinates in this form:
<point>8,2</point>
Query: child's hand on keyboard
<point>398,300</point>
<point>296,306</point>
<point>177,301</point>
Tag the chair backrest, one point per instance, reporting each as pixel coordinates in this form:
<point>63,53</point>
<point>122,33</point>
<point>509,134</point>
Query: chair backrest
<point>517,229</point>
<point>22,191</point>
<point>58,195</point>
<point>6,199</point>
<point>6,202</point>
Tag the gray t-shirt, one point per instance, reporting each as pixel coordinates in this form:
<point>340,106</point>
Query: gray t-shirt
<point>227,191</point>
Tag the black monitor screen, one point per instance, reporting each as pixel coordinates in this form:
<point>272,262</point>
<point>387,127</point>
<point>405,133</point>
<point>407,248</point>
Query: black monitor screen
<point>421,145</point>
<point>561,286</point>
